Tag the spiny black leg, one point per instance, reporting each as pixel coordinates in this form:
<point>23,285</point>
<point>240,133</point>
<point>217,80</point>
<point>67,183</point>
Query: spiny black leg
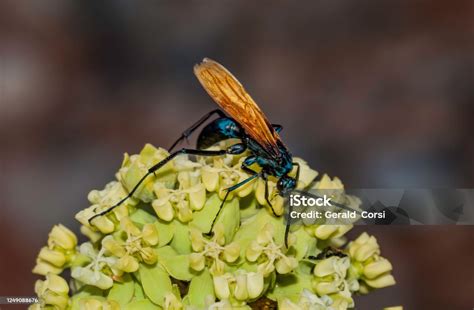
<point>155,168</point>
<point>297,177</point>
<point>288,219</point>
<point>230,189</point>
<point>267,198</point>
<point>247,169</point>
<point>188,132</point>
<point>288,224</point>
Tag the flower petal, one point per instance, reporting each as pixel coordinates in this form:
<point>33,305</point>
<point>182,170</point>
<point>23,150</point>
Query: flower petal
<point>150,234</point>
<point>254,284</point>
<point>232,252</point>
<point>61,236</point>
<point>221,287</point>
<point>196,261</point>
<point>163,209</point>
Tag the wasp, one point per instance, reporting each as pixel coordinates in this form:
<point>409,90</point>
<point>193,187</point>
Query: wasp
<point>239,117</point>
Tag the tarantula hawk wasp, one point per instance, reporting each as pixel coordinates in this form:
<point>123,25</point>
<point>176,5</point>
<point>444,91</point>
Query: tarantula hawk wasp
<point>242,120</point>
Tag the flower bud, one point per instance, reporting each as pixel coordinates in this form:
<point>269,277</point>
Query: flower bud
<point>53,257</point>
<point>266,234</point>
<point>382,281</point>
<point>196,261</point>
<point>210,178</point>
<point>363,247</point>
<point>113,246</point>
<point>127,225</point>
<point>91,277</point>
<point>58,301</point>
<point>232,252</point>
<point>240,291</point>
<point>103,224</point>
<point>197,241</point>
<point>323,232</point>
<point>93,236</point>
<point>375,269</point>
<point>62,237</point>
<point>53,291</point>
<point>163,209</point>
<point>325,288</point>
<point>148,255</point>
<point>253,251</point>
<point>254,284</point>
<point>150,234</point>
<point>286,264</point>
<point>127,263</point>
<point>221,287</point>
<point>197,196</point>
<point>43,268</point>
<point>56,284</point>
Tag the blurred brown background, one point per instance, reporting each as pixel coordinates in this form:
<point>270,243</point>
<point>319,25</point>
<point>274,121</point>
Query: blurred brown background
<point>379,93</point>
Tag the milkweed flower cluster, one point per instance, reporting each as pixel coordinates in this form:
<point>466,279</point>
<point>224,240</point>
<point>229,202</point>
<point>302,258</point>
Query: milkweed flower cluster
<point>169,246</point>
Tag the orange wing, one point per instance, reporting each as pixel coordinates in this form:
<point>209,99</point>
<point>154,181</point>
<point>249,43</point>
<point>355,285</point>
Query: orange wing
<point>231,96</point>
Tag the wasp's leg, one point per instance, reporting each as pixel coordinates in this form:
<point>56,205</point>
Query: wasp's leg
<point>230,189</point>
<point>290,209</point>
<point>288,224</point>
<point>267,197</point>
<point>278,128</point>
<point>188,132</point>
<point>297,177</point>
<point>249,161</point>
<point>158,166</point>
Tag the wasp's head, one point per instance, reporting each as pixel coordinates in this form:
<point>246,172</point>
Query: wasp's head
<point>286,184</point>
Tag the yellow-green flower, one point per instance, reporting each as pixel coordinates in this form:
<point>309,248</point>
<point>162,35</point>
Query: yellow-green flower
<point>368,265</point>
<point>135,246</point>
<point>189,196</point>
<point>343,300</point>
<point>240,285</point>
<point>102,200</point>
<point>99,271</point>
<point>220,176</point>
<point>330,274</point>
<point>268,254</point>
<point>214,252</point>
<point>134,167</point>
<point>136,260</point>
<point>52,292</point>
<point>60,251</point>
<point>62,237</point>
<point>324,232</point>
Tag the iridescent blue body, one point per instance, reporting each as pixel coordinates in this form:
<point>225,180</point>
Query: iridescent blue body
<point>278,166</point>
